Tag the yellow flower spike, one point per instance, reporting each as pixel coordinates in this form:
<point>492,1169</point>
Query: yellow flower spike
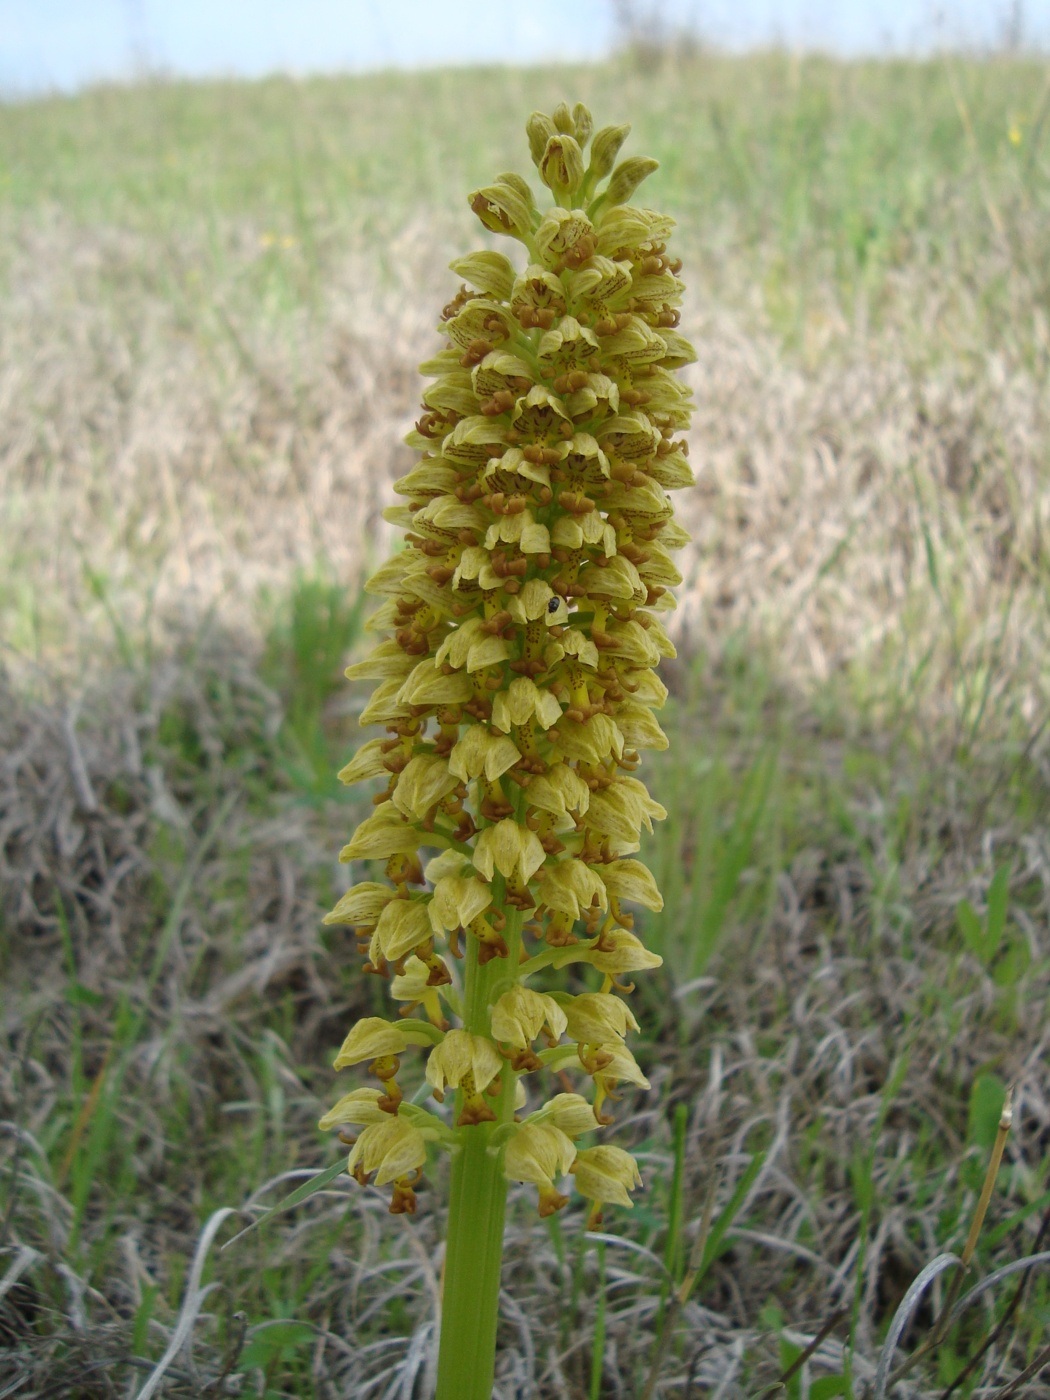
<point>391,1149</point>
<point>514,655</point>
<point>537,1153</point>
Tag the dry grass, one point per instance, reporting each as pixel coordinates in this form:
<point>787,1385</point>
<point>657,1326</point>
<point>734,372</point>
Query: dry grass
<point>176,1008</point>
<point>192,409</point>
<point>207,359</point>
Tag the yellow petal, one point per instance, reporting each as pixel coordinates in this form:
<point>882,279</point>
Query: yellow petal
<point>520,1014</point>
<point>571,1113</point>
<point>606,1174</point>
<point>424,781</point>
<point>428,685</point>
<point>384,834</point>
<point>531,601</point>
<point>537,1153</point>
<point>457,900</point>
<point>560,789</point>
<point>368,762</point>
<point>362,904</point>
<point>631,880</point>
<point>403,925</point>
<point>461,1052</point>
<point>359,1106</point>
<point>622,952</point>
<point>507,847</point>
<point>570,885</point>
<point>369,1039</point>
<point>384,705</point>
<point>487,651</point>
<point>620,1064</point>
<point>596,1017</point>
<point>456,646</point>
<point>385,660</point>
<point>390,1149</point>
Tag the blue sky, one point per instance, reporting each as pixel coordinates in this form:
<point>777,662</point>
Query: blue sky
<point>64,44</point>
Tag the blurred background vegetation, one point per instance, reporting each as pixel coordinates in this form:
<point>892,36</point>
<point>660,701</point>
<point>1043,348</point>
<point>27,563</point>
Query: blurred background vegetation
<point>213,300</point>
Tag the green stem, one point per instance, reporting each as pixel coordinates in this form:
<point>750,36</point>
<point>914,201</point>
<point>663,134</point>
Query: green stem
<point>477,1203</point>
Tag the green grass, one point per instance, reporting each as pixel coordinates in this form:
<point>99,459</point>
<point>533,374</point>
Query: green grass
<point>857,924</point>
<point>818,177</point>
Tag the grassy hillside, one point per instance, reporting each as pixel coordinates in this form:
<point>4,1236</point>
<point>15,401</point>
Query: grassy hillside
<point>212,302</point>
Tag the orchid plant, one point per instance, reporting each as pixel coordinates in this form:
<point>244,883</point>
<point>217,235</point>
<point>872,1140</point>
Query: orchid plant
<point>520,631</point>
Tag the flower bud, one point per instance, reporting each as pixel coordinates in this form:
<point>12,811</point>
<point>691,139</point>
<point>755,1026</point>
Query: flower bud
<point>457,901</point>
<point>509,848</point>
<point>487,271</point>
<point>583,123</point>
<point>612,1062</point>
<point>563,120</point>
<point>561,167</point>
<point>627,176</point>
<point>520,186</point>
<point>384,834</point>
<point>403,926</point>
<point>605,148</point>
<point>502,210</point>
<point>539,128</point>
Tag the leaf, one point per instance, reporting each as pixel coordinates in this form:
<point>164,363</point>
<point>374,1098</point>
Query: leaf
<point>722,1224</point>
<point>789,1354</point>
<point>998,902</point>
<point>986,1105</point>
<point>827,1387</point>
<point>301,1193</point>
<point>79,995</point>
<point>970,928</point>
<point>992,1238</point>
<point>271,1340</point>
